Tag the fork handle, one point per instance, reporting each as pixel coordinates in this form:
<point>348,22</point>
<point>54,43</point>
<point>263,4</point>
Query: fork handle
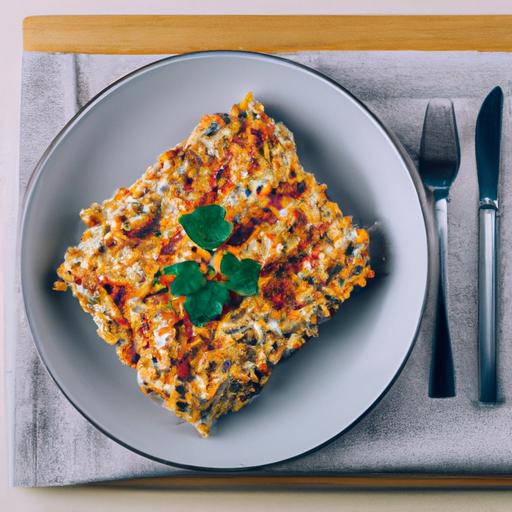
<point>442,375</point>
<point>487,304</point>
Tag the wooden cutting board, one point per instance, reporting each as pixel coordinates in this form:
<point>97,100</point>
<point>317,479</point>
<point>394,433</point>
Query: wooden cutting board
<point>176,34</point>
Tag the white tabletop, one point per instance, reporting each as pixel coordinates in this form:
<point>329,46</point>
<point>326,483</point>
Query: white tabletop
<point>87,499</point>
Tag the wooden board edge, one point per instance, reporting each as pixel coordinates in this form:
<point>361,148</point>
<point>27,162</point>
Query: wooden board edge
<point>162,34</point>
<point>376,481</point>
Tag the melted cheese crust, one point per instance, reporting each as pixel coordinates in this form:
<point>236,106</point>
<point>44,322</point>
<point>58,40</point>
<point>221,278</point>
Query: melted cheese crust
<point>311,255</point>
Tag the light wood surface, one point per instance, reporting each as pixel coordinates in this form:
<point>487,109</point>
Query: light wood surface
<point>155,34</point>
<point>175,34</point>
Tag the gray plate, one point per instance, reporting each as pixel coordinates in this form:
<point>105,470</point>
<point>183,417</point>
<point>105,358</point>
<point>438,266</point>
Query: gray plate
<point>328,385</point>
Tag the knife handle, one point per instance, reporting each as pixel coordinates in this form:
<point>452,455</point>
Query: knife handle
<point>442,375</point>
<point>487,304</point>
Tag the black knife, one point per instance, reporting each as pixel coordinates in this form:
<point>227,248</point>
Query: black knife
<point>487,145</point>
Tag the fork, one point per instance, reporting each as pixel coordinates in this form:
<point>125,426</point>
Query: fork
<point>438,165</point>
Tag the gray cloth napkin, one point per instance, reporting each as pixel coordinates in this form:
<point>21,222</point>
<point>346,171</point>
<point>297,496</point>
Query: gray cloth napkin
<point>407,431</point>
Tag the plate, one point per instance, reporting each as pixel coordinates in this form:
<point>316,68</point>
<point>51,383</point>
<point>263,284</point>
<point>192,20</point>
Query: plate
<point>335,379</point>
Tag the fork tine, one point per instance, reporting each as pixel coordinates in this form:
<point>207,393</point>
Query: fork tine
<point>440,151</point>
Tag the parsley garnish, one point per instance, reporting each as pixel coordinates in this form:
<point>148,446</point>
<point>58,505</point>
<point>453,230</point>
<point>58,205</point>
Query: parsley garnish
<point>189,278</point>
<point>242,274</point>
<point>206,304</point>
<point>206,226</point>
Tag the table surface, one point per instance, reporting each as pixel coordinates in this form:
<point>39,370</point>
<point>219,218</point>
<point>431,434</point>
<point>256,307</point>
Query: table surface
<point>125,499</point>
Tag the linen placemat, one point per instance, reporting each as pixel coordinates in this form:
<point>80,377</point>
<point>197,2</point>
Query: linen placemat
<point>407,432</point>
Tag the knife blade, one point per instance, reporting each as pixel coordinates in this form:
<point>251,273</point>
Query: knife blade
<point>487,147</point>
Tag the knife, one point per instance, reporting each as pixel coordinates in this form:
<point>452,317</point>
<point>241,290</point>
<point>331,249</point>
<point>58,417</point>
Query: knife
<point>487,146</point>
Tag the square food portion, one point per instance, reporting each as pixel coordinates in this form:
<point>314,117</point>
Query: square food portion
<point>219,261</point>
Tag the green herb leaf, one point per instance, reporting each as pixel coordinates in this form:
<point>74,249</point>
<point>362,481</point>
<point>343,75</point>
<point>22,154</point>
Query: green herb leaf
<point>242,275</point>
<point>206,226</point>
<point>188,277</point>
<point>206,304</point>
